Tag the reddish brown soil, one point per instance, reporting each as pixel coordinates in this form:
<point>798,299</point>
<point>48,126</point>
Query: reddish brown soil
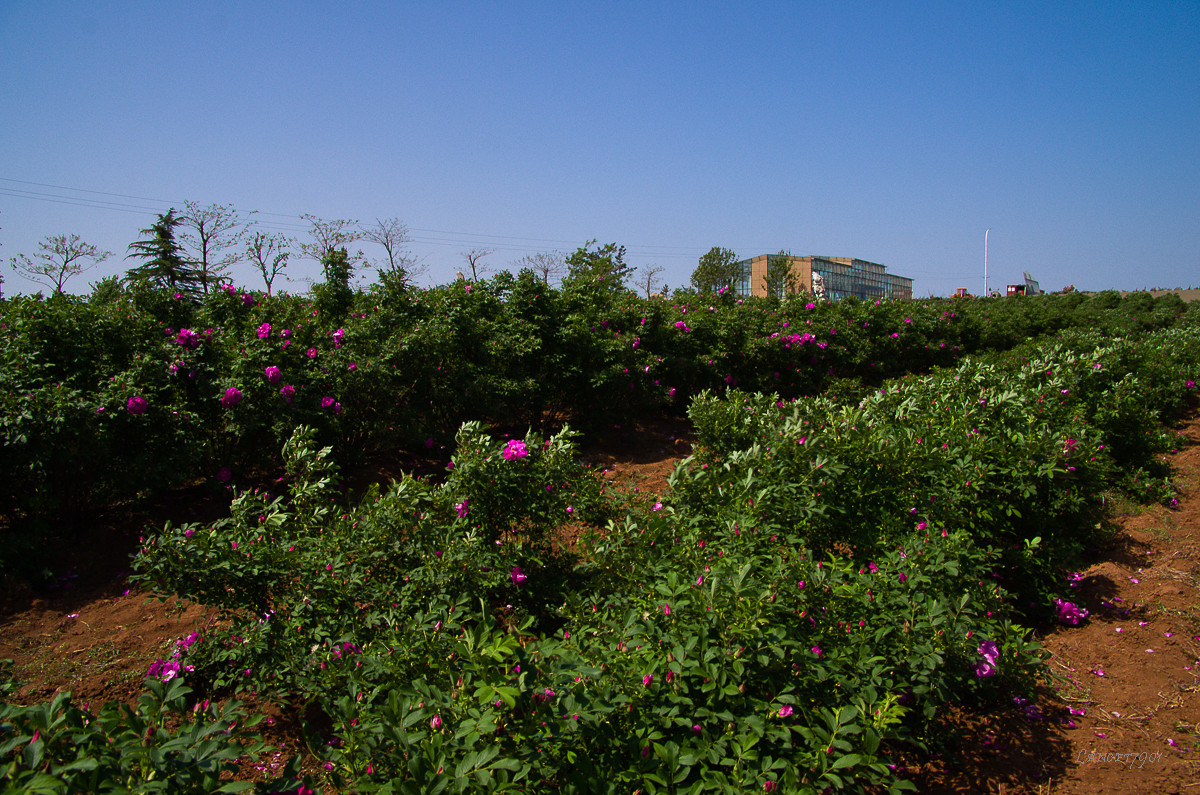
<point>1133,668</point>
<point>95,638</point>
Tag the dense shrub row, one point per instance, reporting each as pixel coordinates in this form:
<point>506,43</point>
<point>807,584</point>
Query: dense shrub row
<point>1010,450</point>
<point>824,580</point>
<point>844,557</point>
<point>134,391</point>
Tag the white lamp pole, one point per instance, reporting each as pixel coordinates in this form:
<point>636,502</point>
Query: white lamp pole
<point>985,241</point>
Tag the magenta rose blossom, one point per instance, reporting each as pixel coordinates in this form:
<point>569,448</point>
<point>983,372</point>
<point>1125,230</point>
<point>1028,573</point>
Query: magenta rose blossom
<point>515,449</point>
<point>188,338</point>
<point>288,391</point>
<point>231,398</point>
<point>989,651</point>
<point>136,405</point>
<point>1069,613</point>
<point>273,374</point>
<point>264,331</point>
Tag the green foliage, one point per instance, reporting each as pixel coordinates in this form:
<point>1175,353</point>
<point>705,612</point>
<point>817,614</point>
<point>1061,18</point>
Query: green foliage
<point>779,280</point>
<point>603,266</point>
<point>165,745</point>
<point>106,291</point>
<point>335,294</point>
<point>165,265</point>
<point>407,367</point>
<point>718,268</point>
<point>523,489</point>
<point>821,581</point>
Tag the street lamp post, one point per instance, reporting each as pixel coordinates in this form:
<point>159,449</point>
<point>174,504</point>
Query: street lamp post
<point>985,242</point>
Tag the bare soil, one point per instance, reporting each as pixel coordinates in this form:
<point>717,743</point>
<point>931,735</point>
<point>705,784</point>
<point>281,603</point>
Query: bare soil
<point>1121,715</point>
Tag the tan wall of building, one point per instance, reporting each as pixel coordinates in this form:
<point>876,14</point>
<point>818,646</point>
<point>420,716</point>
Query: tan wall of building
<point>867,276</point>
<point>801,268</point>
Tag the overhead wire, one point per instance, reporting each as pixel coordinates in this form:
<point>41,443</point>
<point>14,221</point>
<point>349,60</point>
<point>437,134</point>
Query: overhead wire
<point>422,237</point>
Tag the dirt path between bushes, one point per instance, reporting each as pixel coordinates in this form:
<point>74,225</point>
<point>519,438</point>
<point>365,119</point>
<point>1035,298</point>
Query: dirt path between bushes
<point>1123,715</point>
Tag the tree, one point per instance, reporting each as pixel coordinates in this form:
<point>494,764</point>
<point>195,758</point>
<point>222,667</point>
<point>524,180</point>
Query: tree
<point>59,258</point>
<point>269,254</point>
<point>472,258</point>
<point>329,235</point>
<point>165,264</point>
<point>106,291</point>
<point>401,267</point>
<point>780,279</point>
<point>544,264</point>
<point>214,234</point>
<point>717,269</point>
<point>606,263</point>
<point>649,281</point>
<point>335,295</point>
<point>392,234</point>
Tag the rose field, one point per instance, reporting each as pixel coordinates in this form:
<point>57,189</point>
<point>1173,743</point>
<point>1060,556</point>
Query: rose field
<point>390,551</point>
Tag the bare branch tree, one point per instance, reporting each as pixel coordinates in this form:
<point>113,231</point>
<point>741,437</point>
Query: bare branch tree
<point>392,234</point>
<point>328,235</point>
<point>269,254</point>
<point>209,231</point>
<point>59,258</point>
<point>544,264</point>
<point>648,280</point>
<point>473,257</point>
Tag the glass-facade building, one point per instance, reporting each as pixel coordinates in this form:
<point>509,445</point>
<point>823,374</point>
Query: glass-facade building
<point>832,278</point>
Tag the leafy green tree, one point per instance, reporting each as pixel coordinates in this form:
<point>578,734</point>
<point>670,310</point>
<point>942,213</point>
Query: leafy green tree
<point>718,268</point>
<point>780,280</point>
<point>59,258</point>
<point>165,264</point>
<point>606,263</point>
<point>335,295</point>
<point>106,291</point>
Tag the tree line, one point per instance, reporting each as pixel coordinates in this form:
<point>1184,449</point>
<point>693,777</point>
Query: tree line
<point>192,252</point>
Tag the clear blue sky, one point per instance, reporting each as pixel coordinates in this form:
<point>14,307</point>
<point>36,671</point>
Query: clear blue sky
<point>893,132</point>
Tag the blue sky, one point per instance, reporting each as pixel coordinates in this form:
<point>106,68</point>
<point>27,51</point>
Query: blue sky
<point>893,132</point>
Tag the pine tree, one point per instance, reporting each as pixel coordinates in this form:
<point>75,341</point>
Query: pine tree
<point>165,265</point>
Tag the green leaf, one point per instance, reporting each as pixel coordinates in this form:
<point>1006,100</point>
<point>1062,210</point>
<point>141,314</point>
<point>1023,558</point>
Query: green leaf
<point>846,761</point>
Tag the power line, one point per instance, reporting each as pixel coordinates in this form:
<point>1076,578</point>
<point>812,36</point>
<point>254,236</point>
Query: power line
<point>482,239</point>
